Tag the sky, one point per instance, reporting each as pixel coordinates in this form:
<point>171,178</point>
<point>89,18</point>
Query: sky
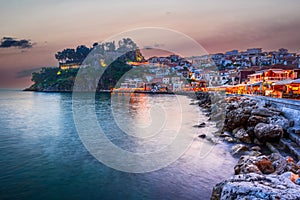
<point>34,30</point>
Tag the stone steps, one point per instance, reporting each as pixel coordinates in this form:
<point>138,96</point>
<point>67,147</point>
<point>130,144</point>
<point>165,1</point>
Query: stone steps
<point>291,146</point>
<point>295,138</point>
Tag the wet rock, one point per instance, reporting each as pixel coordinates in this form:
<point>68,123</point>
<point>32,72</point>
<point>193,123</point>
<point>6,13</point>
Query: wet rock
<point>236,118</point>
<point>229,139</point>
<point>201,125</point>
<point>254,153</point>
<point>292,166</point>
<point>225,134</point>
<point>279,163</point>
<point>268,132</point>
<point>246,166</point>
<point>202,136</point>
<point>255,148</point>
<point>247,110</point>
<point>255,186</point>
<point>265,166</point>
<point>264,112</point>
<point>238,148</point>
<point>256,141</point>
<point>255,119</point>
<point>294,177</point>
<point>281,121</point>
<point>250,131</point>
<point>242,135</point>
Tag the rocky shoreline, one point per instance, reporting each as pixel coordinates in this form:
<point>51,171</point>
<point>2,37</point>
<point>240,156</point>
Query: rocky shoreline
<point>264,170</point>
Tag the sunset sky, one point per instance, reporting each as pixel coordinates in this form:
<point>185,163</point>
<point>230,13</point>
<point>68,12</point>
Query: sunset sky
<point>218,25</point>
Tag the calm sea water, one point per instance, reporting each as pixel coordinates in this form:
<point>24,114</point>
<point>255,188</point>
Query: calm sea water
<point>42,156</point>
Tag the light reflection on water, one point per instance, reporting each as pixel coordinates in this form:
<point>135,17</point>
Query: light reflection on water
<point>43,158</point>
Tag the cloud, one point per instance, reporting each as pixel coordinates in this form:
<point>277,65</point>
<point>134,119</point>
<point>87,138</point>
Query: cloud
<point>8,42</point>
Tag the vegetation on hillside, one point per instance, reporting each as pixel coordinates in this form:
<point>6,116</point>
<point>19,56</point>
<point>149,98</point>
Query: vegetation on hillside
<point>56,79</point>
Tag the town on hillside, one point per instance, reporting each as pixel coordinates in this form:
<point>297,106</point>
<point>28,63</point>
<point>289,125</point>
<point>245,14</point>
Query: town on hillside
<point>274,73</point>
<point>254,71</point>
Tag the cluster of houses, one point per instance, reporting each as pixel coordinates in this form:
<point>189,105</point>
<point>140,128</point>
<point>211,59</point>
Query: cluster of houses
<point>254,71</point>
<point>281,81</point>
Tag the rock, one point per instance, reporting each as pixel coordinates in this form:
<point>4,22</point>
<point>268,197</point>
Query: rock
<point>225,134</point>
<point>242,135</point>
<point>247,110</point>
<point>262,164</point>
<point>239,148</point>
<point>213,140</point>
<point>256,141</point>
<point>265,166</point>
<point>255,153</point>
<point>202,136</point>
<point>294,177</point>
<point>279,163</point>
<point>250,131</point>
<point>230,139</point>
<point>268,132</point>
<point>201,125</point>
<point>255,148</point>
<point>235,118</point>
<point>281,121</point>
<point>264,112</point>
<point>291,165</point>
<point>255,186</point>
<point>246,165</point>
<point>255,119</point>
<point>234,131</point>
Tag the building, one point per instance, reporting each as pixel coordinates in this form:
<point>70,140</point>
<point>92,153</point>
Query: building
<point>66,66</point>
<point>166,80</point>
<point>254,51</point>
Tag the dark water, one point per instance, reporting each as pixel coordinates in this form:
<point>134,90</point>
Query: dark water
<point>42,157</point>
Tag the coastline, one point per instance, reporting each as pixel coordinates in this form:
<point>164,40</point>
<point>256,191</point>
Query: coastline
<point>256,129</point>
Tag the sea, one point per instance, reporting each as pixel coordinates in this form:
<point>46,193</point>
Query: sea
<point>107,146</point>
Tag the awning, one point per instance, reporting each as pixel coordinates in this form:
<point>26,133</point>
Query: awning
<point>297,81</point>
<point>284,82</point>
<point>256,84</point>
<point>279,72</point>
<point>256,74</point>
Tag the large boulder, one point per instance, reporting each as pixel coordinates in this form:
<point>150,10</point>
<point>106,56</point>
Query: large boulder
<point>268,132</point>
<point>256,186</point>
<point>264,112</point>
<point>280,120</point>
<point>236,118</point>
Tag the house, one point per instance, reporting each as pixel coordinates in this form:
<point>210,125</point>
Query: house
<point>175,79</point>
<point>270,75</point>
<point>166,80</point>
<point>176,87</point>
